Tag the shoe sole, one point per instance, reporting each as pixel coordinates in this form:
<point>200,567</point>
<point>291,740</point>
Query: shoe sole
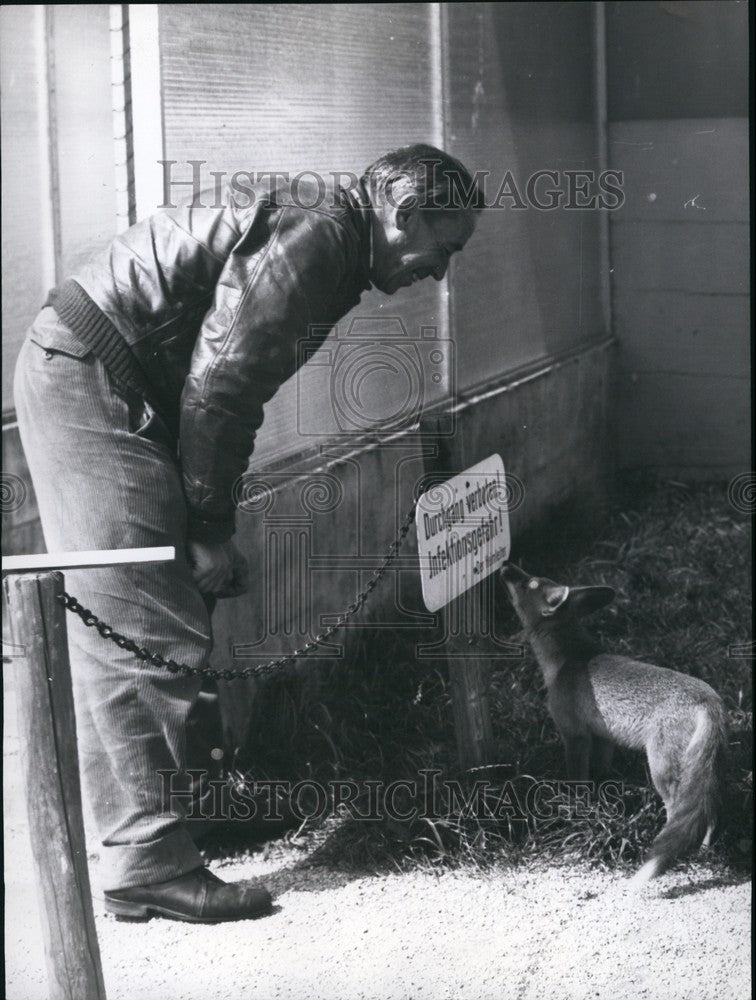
<point>140,912</point>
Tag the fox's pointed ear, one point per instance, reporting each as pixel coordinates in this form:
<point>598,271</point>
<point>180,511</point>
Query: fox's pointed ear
<point>586,600</point>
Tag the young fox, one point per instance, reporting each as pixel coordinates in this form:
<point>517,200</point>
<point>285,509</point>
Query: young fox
<point>598,700</point>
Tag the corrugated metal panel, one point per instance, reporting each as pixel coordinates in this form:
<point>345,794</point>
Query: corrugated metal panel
<point>83,107</point>
<point>519,101</point>
<point>24,199</point>
<point>291,87</point>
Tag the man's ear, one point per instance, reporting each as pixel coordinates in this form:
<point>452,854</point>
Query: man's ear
<point>402,203</point>
<point>406,214</point>
<point>586,600</point>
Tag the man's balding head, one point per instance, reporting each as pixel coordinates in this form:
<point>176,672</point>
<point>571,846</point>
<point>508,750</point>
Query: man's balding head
<point>425,206</point>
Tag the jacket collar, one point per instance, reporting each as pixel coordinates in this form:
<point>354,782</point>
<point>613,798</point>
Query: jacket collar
<point>363,212</point>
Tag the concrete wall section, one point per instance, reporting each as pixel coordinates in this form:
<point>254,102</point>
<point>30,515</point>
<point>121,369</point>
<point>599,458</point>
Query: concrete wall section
<point>677,59</point>
<point>681,273</point>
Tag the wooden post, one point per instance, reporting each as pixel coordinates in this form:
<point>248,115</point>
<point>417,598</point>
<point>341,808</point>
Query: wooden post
<point>468,673</point>
<point>469,678</point>
<point>47,728</point>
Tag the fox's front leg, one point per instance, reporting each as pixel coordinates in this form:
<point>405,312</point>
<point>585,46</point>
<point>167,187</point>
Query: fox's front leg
<point>577,751</point>
<point>602,752</point>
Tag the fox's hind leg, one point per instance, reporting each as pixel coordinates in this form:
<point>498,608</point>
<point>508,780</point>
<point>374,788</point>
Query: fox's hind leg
<point>577,751</point>
<point>645,873</point>
<point>664,775</point>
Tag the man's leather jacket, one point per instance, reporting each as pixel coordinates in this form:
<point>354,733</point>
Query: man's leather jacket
<point>214,304</point>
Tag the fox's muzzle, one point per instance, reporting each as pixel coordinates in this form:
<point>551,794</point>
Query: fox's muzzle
<point>513,574</point>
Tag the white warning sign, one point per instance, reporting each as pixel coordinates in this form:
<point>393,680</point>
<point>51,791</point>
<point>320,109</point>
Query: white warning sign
<point>462,531</point>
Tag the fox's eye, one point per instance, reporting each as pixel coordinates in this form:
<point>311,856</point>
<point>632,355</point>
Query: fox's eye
<point>534,584</point>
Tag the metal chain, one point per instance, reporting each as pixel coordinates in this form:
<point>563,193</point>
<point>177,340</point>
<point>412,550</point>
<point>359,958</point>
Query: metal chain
<point>142,653</point>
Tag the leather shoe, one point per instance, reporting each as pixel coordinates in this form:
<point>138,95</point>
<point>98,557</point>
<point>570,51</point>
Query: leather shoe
<point>198,897</point>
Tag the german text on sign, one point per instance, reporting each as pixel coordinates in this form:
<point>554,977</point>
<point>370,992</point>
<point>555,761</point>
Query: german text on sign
<point>462,531</point>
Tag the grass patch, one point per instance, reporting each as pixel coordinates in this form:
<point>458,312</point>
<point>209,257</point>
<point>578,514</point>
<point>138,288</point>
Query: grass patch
<point>679,558</point>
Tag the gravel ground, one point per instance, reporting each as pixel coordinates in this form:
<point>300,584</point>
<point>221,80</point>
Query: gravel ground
<point>520,934</point>
<point>536,933</point>
<point>530,935</point>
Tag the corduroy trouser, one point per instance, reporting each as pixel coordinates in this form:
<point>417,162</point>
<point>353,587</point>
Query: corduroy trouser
<point>105,479</point>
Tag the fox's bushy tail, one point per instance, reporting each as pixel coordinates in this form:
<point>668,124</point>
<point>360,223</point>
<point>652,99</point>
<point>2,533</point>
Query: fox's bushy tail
<point>700,793</point>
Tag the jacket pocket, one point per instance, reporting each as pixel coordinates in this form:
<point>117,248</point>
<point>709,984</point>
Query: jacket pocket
<point>168,364</point>
<point>51,334</point>
<point>147,424</point>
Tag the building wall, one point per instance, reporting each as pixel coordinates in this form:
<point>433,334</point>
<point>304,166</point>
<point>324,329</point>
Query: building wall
<point>314,530</point>
<point>58,190</point>
<point>516,330</point>
<point>27,265</point>
<point>59,201</point>
<point>321,87</point>
<point>349,82</point>
<point>518,324</point>
<point>678,129</point>
<point>520,99</point>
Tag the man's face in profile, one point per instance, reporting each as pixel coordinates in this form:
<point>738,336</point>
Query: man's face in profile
<point>417,243</point>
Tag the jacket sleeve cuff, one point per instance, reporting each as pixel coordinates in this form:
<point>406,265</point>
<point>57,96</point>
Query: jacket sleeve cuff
<point>199,529</point>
